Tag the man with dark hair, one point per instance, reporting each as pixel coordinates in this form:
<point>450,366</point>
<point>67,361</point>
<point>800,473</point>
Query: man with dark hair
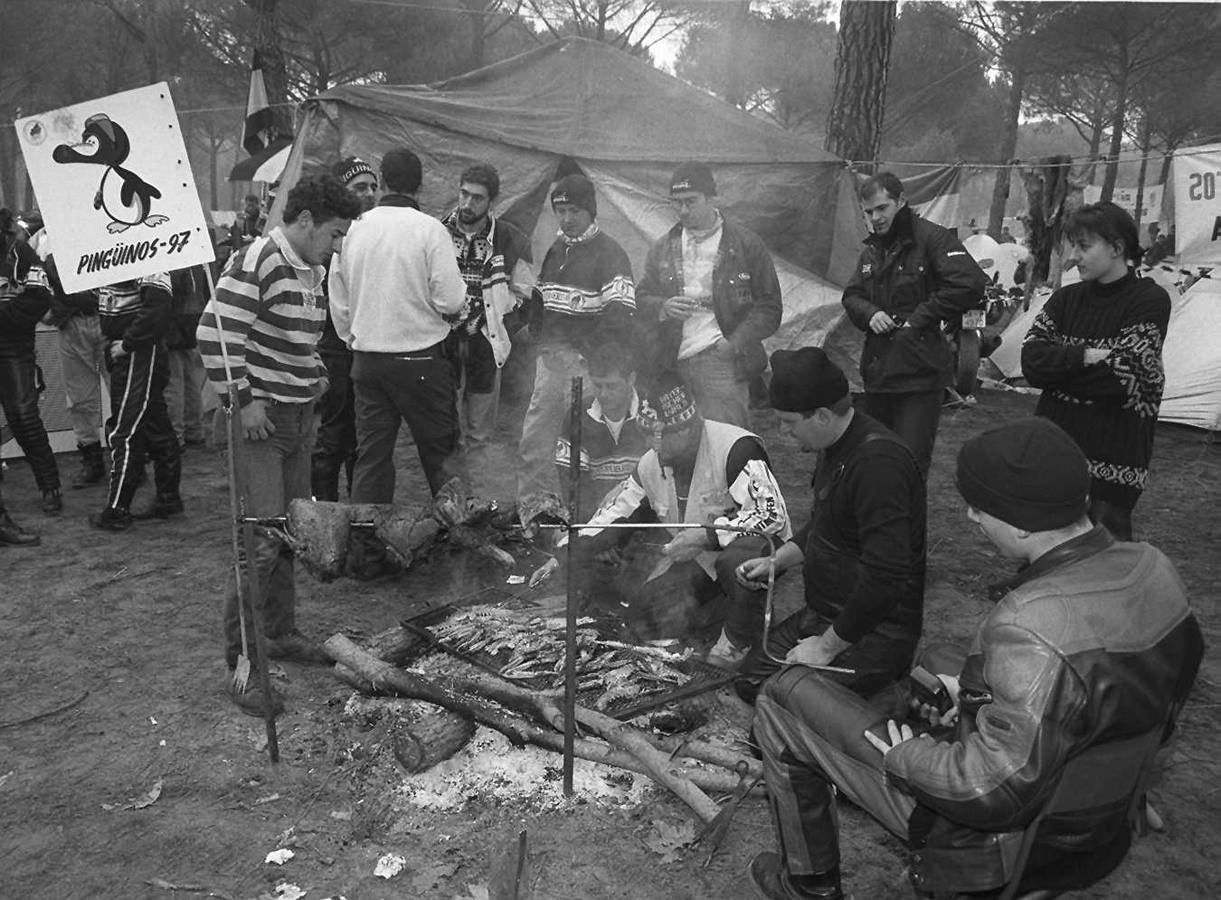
<point>711,286</point>
<point>698,472</point>
<point>863,551</point>
<point>613,436</point>
<point>912,276</point>
<point>336,446</point>
<point>391,287</point>
<point>584,296</point>
<point>25,297</point>
<point>1092,647</point>
<point>494,258</point>
<point>259,333</point>
<point>248,225</point>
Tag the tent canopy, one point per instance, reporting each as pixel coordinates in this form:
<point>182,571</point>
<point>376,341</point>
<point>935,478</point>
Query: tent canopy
<point>581,104</point>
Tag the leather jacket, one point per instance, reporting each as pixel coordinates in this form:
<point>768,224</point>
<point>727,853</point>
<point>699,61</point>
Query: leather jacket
<point>921,275</point>
<point>745,295</point>
<point>1093,644</point>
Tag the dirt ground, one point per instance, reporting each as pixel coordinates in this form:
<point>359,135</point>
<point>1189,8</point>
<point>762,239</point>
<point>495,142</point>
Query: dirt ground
<point>117,636</point>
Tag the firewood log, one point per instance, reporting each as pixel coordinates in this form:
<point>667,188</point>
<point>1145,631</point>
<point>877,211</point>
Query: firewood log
<point>320,536</point>
<point>429,735</point>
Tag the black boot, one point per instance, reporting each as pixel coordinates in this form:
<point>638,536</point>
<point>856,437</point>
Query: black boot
<point>162,506</point>
<point>111,519</point>
<point>52,501</point>
<point>93,466</point>
<point>12,533</point>
<point>324,478</point>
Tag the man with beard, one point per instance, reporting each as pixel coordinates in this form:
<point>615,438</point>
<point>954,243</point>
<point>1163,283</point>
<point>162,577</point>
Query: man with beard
<point>494,258</point>
<point>336,447</point>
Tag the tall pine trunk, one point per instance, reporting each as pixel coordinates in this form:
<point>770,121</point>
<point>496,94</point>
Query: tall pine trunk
<point>862,63</point>
<point>1000,189</point>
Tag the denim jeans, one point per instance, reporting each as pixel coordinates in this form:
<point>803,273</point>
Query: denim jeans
<point>270,473</point>
<point>19,400</point>
<point>718,393</point>
<point>82,351</point>
<point>550,402</point>
<point>184,394</point>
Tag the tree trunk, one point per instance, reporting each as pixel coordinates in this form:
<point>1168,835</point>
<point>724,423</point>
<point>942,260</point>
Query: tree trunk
<point>1146,138</point>
<point>734,91</point>
<point>1121,108</point>
<point>1000,190</point>
<point>862,63</point>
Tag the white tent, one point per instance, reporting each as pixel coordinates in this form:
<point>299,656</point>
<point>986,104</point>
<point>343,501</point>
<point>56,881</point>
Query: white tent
<point>1191,354</point>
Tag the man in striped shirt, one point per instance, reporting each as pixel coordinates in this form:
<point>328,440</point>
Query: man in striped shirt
<point>260,334</point>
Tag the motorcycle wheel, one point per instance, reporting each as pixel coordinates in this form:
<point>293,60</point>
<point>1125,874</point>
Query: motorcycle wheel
<point>966,363</point>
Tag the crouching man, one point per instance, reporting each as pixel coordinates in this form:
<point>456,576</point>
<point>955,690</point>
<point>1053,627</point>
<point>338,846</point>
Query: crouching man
<point>697,472</point>
<point>862,553</point>
<point>1094,644</point>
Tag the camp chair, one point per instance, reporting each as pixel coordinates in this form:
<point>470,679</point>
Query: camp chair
<point>1106,776</point>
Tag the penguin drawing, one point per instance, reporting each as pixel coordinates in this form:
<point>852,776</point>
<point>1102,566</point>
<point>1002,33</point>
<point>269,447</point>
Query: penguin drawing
<point>127,198</point>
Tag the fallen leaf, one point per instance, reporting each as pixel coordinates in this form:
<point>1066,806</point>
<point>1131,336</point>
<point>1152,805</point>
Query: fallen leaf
<point>477,892</point>
<point>389,865</point>
<point>268,799</point>
<point>170,886</point>
<point>667,840</point>
<point>5,777</point>
<point>137,802</point>
<point>279,857</point>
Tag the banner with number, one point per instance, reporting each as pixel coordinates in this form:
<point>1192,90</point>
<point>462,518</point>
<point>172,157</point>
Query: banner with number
<point>1197,207</point>
<point>115,189</point>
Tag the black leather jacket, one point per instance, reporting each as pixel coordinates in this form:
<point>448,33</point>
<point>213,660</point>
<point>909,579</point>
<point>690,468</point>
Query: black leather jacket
<point>1094,643</point>
<point>920,275</point>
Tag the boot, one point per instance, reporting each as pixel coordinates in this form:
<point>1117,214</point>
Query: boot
<point>162,506</point>
<point>12,533</point>
<point>93,467</point>
<point>111,519</point>
<point>52,502</point>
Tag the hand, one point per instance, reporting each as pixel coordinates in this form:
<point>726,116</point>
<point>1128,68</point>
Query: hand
<point>689,544</point>
<point>610,557</point>
<point>882,323</point>
<point>679,307</point>
<point>255,424</point>
<point>1095,355</point>
<point>930,714</point>
<point>818,650</point>
<point>116,350</point>
<point>898,734</point>
<point>321,386</point>
<point>752,574</point>
<point>724,346</point>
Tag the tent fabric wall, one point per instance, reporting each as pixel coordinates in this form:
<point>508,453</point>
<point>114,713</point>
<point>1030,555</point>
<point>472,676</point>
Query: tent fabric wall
<point>627,125</point>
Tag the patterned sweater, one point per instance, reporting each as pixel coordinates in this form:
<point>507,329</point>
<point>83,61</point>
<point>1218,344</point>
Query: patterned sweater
<point>270,313</point>
<point>1110,408</point>
<point>584,285</point>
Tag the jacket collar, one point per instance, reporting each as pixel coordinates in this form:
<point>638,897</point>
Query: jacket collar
<point>901,230</point>
<point>1081,547</point>
<point>398,200</point>
<point>587,235</point>
<point>633,409</point>
<point>451,222</point>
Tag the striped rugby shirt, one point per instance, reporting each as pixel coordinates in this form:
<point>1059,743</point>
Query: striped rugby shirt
<point>271,312</point>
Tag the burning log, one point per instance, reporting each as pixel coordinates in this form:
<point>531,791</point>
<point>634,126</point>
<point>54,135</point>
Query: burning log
<point>429,735</point>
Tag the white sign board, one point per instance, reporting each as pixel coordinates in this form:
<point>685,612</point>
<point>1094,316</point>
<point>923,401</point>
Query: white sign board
<point>1125,197</point>
<point>1197,206</point>
<point>115,189</point>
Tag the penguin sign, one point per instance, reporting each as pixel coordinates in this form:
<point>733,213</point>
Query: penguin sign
<point>115,188</point>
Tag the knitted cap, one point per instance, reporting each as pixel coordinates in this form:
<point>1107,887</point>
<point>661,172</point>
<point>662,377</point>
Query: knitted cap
<point>669,404</point>
<point>577,190</point>
<point>805,380</point>
<point>347,169</point>
<point>1028,473</point>
<point>693,176</point>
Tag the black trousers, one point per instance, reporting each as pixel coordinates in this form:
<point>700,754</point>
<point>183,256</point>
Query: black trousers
<point>913,417</point>
<point>19,399</point>
<point>139,426</point>
<point>335,449</point>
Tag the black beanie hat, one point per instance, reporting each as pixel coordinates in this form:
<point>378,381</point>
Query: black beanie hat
<point>805,380</point>
<point>577,190</point>
<point>1028,473</point>
<point>347,169</point>
<point>693,176</point>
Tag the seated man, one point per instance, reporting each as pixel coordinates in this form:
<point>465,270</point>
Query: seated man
<point>861,554</point>
<point>1094,644</point>
<point>613,438</point>
<point>703,472</point>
